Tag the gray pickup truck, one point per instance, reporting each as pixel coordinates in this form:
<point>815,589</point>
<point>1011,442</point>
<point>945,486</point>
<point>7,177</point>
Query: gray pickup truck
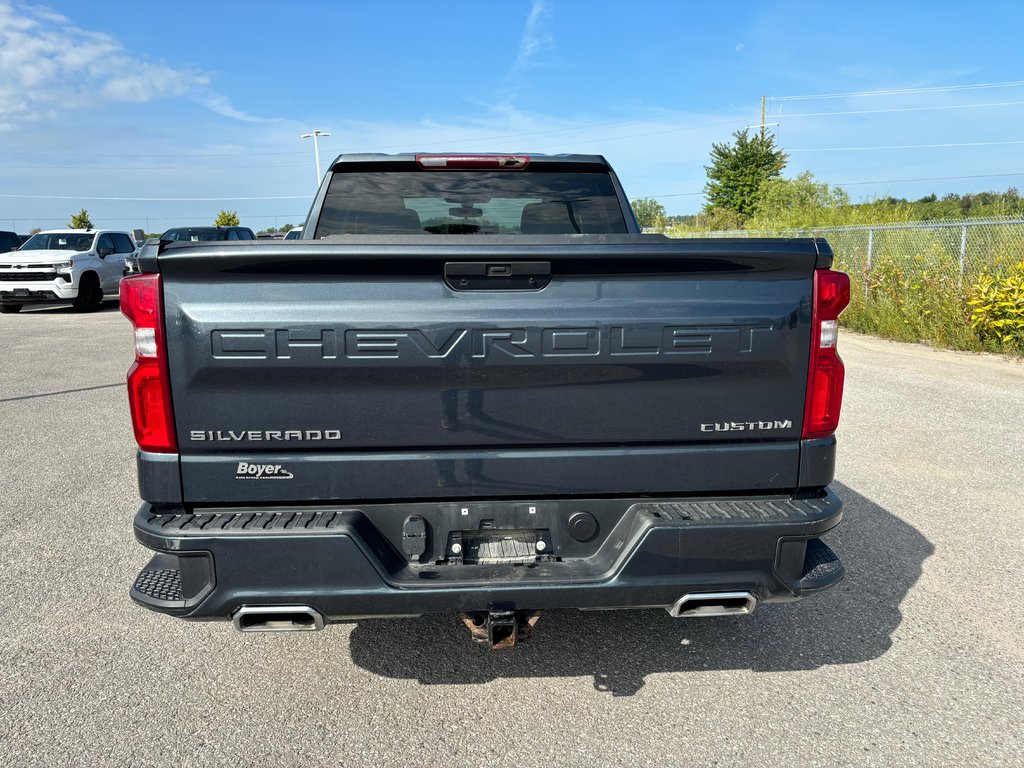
<point>473,387</point>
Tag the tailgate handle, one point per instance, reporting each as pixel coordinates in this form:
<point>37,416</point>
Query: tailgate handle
<point>497,275</point>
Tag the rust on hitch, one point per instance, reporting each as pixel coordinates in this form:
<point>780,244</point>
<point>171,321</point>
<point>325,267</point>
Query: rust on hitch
<point>500,629</point>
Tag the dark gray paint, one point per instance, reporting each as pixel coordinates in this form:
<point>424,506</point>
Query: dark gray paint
<point>519,472</point>
<point>236,320</point>
<point>817,462</point>
<point>159,477</point>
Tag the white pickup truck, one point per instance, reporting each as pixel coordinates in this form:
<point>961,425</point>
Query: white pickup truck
<point>65,265</point>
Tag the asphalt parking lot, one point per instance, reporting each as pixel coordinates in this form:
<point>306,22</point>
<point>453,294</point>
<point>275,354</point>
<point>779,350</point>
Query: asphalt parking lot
<point>917,658</point>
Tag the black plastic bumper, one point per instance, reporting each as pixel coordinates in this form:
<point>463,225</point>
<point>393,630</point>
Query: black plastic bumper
<point>31,295</point>
<point>346,562</point>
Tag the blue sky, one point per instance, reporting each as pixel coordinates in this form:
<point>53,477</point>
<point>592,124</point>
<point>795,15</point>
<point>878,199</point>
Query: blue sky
<point>208,100</point>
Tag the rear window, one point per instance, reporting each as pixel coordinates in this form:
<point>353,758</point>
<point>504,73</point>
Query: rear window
<point>194,235</point>
<point>470,202</point>
<point>9,241</point>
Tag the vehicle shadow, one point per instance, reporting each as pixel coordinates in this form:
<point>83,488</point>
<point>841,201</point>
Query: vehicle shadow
<point>851,623</point>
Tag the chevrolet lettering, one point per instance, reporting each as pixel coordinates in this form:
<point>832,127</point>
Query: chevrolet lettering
<point>482,343</point>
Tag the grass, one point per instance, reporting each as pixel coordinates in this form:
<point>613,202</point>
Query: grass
<point>914,290</point>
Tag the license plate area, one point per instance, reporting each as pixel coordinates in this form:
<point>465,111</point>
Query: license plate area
<point>490,546</point>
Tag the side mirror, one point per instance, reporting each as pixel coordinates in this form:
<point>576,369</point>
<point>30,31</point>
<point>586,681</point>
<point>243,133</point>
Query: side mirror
<point>104,252</point>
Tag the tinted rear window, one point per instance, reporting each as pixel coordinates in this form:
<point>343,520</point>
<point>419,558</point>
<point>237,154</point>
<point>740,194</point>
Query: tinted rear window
<point>470,202</point>
<point>194,235</point>
<point>9,241</point>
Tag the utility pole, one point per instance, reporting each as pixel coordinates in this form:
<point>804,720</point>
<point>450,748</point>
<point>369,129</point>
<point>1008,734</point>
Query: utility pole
<point>316,150</point>
<point>762,117</point>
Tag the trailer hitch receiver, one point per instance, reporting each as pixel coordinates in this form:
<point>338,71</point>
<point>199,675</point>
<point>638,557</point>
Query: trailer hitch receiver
<point>500,629</point>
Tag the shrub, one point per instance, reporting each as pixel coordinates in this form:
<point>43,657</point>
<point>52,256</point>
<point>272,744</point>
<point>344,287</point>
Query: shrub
<point>910,302</point>
<point>997,309</point>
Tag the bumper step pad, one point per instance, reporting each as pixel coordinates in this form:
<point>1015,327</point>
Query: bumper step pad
<point>161,584</point>
<point>822,566</point>
<point>174,584</point>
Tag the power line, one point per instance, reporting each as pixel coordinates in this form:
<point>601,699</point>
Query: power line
<point>733,122</point>
<point>908,146</point>
<point>577,129</point>
<point>142,167</point>
<point>676,129</point>
<point>296,165</point>
<point>573,129</point>
<point>594,126</point>
<point>931,178</point>
<point>900,109</point>
<point>156,199</point>
<point>495,137</point>
<point>299,216</point>
<point>883,181</point>
<point>810,114</point>
<point>900,91</point>
<point>192,155</point>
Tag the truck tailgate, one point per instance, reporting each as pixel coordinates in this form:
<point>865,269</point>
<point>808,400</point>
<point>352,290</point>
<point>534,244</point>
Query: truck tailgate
<point>354,370</point>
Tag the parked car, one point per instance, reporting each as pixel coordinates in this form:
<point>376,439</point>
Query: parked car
<point>9,241</point>
<point>194,235</point>
<point>270,236</point>
<point>294,234</point>
<point>24,238</point>
<point>207,234</point>
<point>77,265</point>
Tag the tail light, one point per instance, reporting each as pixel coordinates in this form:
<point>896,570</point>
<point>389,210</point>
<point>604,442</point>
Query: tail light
<point>826,373</point>
<point>461,162</point>
<point>149,392</point>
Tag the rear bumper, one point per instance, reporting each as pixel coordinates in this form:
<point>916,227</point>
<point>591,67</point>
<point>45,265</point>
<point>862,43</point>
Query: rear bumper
<point>340,561</point>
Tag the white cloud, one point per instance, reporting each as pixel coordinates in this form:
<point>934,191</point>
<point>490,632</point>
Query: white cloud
<point>220,104</point>
<point>535,38</point>
<point>47,63</point>
<point>48,14</point>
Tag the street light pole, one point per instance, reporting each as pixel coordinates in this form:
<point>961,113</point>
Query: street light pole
<point>316,150</point>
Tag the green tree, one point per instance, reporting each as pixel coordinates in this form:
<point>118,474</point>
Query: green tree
<point>737,171</point>
<point>226,219</point>
<point>80,220</point>
<point>649,213</point>
<point>799,202</point>
<point>287,228</point>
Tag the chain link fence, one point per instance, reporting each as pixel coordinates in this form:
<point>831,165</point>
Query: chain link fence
<point>956,250</point>
<point>915,281</point>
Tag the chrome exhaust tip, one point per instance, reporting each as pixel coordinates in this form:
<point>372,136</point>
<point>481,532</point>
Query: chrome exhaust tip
<point>277,618</point>
<point>713,604</point>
